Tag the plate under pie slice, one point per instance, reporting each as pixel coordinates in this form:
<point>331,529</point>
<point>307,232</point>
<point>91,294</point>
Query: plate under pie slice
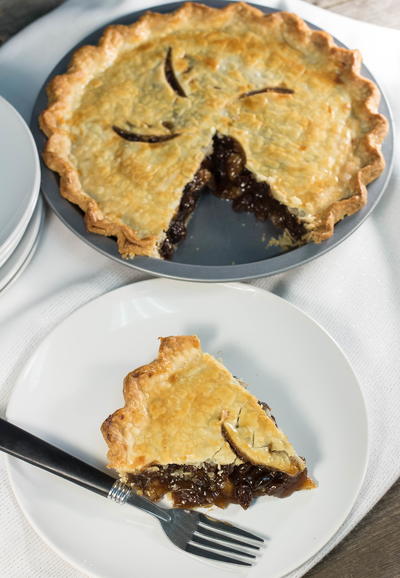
<point>191,430</point>
<point>258,109</point>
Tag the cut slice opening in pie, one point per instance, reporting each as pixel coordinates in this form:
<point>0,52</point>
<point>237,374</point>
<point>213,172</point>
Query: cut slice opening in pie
<point>256,108</point>
<point>191,430</point>
<point>223,173</point>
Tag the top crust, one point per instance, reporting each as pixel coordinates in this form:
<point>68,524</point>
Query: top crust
<point>317,147</point>
<point>187,408</point>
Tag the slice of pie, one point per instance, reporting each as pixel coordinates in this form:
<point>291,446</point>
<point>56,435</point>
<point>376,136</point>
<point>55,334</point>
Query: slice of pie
<point>258,109</point>
<point>190,430</point>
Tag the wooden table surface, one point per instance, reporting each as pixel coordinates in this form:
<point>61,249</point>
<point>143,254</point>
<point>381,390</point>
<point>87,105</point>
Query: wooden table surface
<point>372,549</point>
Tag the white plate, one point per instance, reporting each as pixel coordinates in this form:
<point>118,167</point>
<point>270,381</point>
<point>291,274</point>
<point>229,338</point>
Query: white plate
<point>19,178</point>
<point>74,381</point>
<point>24,251</point>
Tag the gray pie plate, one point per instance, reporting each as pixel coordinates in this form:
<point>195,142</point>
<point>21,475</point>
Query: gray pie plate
<point>221,245</point>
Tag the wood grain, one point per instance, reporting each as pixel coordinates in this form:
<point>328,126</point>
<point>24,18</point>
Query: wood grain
<point>372,549</point>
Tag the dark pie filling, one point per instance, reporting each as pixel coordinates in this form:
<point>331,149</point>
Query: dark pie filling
<point>208,484</point>
<point>177,229</point>
<point>224,174</point>
<point>234,181</point>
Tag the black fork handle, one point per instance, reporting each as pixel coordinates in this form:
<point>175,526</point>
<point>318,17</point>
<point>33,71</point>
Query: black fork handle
<point>25,446</point>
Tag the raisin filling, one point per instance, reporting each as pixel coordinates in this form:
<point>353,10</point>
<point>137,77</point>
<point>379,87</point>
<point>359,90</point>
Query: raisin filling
<point>191,194</point>
<point>207,484</point>
<point>224,173</point>
<point>234,181</point>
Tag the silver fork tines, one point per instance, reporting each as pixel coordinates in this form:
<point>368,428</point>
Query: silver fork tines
<point>219,546</point>
<point>227,527</point>
<point>224,538</point>
<point>218,539</point>
<point>214,555</point>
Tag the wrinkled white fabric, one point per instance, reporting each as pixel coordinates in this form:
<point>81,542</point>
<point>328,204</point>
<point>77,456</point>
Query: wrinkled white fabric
<point>351,291</point>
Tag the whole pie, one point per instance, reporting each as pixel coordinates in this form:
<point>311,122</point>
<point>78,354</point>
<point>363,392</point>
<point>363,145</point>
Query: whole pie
<point>190,430</point>
<point>258,109</point>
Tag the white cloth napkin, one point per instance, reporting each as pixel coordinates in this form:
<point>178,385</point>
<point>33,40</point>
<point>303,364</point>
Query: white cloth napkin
<point>352,291</point>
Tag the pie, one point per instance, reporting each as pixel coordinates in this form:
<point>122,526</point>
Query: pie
<point>190,430</point>
<point>258,109</point>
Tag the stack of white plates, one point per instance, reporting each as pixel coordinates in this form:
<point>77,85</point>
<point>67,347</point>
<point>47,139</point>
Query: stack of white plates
<point>21,210</point>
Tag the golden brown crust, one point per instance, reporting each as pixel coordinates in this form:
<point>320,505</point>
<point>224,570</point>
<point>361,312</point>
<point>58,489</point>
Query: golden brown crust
<point>187,408</point>
<point>370,142</point>
<point>349,129</point>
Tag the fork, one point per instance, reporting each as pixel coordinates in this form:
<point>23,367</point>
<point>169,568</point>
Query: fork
<point>190,530</point>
